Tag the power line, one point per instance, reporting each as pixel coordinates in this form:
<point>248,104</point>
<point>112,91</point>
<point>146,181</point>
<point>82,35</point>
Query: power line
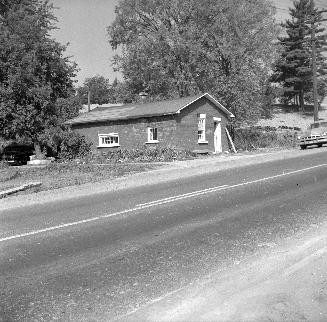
<point>283,9</point>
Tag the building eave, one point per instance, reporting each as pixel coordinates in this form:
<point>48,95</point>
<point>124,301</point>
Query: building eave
<point>119,118</point>
<point>211,99</point>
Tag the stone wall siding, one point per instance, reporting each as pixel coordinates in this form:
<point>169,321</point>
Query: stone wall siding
<point>180,130</point>
<point>132,133</point>
<point>187,126</point>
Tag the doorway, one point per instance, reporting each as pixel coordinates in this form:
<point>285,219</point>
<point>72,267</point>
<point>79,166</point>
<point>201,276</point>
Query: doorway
<point>217,135</point>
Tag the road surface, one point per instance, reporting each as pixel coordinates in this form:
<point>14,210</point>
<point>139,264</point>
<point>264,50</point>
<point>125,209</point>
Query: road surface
<point>109,256</point>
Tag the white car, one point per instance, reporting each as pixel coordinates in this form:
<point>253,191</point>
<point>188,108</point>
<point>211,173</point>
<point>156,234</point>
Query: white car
<point>316,134</point>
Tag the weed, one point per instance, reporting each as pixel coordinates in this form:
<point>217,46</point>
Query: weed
<point>8,174</point>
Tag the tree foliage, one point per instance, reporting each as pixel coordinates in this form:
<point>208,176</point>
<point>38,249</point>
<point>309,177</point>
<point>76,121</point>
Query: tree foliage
<point>294,68</point>
<point>99,88</point>
<point>178,48</point>
<point>35,77</point>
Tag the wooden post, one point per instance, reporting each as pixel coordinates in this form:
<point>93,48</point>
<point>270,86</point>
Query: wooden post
<point>230,140</point>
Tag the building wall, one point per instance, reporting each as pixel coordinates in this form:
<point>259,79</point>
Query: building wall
<point>132,133</point>
<point>187,126</point>
<point>180,130</point>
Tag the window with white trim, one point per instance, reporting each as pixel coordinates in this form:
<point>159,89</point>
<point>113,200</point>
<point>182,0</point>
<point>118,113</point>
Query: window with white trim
<point>108,140</point>
<point>202,128</point>
<point>152,134</point>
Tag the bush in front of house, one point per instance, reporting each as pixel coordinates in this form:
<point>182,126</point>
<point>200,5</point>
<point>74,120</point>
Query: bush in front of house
<point>73,145</point>
<point>143,154</point>
<point>252,138</point>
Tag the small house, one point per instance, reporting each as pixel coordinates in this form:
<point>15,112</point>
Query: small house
<point>190,123</point>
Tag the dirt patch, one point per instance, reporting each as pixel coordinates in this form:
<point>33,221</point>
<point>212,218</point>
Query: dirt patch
<point>291,119</point>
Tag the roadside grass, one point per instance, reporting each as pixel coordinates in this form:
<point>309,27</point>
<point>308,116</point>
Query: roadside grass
<point>111,165</point>
<point>58,175</point>
<point>89,168</point>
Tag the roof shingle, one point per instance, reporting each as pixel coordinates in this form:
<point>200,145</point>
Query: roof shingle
<point>132,111</point>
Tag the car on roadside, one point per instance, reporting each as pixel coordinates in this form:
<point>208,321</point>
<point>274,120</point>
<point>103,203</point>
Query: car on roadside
<point>316,134</point>
<point>17,154</point>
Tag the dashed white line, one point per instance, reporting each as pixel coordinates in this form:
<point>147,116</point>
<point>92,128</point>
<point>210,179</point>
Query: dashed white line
<point>156,203</point>
<point>138,207</point>
<point>185,195</point>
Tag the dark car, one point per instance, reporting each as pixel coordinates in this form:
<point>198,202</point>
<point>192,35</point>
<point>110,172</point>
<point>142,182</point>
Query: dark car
<point>17,154</point>
<point>316,134</point>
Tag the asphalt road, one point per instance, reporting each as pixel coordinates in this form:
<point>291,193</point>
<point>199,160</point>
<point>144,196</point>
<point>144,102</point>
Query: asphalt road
<point>98,258</point>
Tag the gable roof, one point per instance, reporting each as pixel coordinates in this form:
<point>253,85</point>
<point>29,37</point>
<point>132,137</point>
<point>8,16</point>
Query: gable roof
<point>133,111</point>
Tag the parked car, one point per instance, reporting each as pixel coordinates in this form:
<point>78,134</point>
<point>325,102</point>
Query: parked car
<point>17,154</point>
<point>316,134</point>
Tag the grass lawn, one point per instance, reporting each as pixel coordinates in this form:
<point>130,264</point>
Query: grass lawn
<point>59,175</point>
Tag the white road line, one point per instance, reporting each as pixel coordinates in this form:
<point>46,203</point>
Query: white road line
<point>50,228</point>
<point>184,195</point>
<point>138,207</point>
<point>157,203</point>
<point>277,176</point>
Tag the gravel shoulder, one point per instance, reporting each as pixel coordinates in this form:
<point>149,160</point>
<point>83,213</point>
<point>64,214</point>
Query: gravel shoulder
<point>164,173</point>
<point>286,282</point>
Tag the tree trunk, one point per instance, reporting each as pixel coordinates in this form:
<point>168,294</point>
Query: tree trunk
<point>301,99</point>
<point>38,151</point>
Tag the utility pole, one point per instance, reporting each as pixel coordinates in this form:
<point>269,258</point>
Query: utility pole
<point>314,70</point>
<point>314,63</point>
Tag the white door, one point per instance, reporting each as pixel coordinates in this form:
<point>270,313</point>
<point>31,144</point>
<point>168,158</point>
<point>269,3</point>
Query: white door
<point>217,136</point>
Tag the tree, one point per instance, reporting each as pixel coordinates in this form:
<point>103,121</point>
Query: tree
<point>178,48</point>
<point>52,136</point>
<point>294,68</point>
<point>99,88</point>
<point>122,92</point>
<point>34,74</point>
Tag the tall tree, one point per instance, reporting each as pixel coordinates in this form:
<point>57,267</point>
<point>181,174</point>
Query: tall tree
<point>183,47</point>
<point>294,68</point>
<point>121,92</point>
<point>98,87</point>
<point>34,74</point>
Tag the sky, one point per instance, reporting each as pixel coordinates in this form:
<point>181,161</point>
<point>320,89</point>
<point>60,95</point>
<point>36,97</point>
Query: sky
<point>83,23</point>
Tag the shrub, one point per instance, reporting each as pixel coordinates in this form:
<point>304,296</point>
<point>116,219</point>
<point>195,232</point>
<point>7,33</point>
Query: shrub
<point>262,137</point>
<point>73,145</point>
<point>143,154</point>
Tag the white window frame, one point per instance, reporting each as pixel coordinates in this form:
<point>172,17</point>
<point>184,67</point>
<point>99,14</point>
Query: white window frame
<point>103,137</point>
<point>202,128</point>
<point>151,131</point>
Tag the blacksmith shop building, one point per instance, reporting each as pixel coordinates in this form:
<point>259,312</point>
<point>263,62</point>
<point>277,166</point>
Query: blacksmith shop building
<point>191,123</point>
